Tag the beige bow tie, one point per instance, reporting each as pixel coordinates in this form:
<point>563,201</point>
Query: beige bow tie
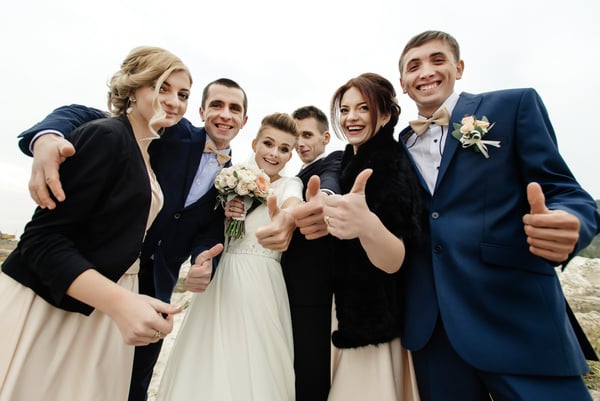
<point>440,117</point>
<point>222,157</point>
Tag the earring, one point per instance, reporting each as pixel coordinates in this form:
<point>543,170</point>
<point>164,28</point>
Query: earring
<point>129,108</point>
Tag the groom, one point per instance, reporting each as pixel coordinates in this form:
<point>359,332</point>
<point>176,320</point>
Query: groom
<point>485,315</point>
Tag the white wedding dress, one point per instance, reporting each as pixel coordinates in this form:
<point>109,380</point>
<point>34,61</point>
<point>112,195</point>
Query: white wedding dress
<point>235,343</point>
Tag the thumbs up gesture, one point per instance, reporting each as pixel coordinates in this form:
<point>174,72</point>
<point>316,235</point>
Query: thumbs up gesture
<point>551,234</point>
<point>309,215</point>
<point>278,233</point>
<point>199,274</point>
<point>347,215</point>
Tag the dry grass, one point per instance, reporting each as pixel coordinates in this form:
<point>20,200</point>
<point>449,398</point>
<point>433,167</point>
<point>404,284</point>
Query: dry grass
<point>592,379</point>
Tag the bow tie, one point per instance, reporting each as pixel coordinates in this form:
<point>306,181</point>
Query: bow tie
<point>440,117</point>
<point>222,158</point>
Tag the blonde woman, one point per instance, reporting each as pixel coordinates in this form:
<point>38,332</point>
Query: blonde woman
<point>71,314</point>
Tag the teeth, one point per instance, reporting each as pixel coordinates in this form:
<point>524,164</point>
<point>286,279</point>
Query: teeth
<point>427,87</point>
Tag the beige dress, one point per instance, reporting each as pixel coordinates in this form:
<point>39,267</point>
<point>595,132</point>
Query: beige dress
<point>47,353</point>
<point>384,373</point>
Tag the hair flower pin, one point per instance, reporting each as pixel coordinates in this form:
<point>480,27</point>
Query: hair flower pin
<point>471,131</point>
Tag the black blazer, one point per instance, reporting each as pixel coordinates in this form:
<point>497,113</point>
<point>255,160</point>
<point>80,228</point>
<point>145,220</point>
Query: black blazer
<point>178,232</point>
<point>101,223</point>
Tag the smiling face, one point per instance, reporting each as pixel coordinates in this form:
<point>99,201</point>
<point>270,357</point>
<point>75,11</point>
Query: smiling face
<point>311,142</point>
<point>273,149</point>
<point>223,114</point>
<point>428,73</point>
<point>173,97</point>
<point>355,118</point>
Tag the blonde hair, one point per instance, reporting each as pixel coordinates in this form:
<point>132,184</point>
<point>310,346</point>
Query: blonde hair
<point>281,121</point>
<point>143,66</point>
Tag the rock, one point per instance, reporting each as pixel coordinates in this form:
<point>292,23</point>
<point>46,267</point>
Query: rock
<point>581,285</point>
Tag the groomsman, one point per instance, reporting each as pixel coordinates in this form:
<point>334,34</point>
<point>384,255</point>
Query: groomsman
<point>485,316</point>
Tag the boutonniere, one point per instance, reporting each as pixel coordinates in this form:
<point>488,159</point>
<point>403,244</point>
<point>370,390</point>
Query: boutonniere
<point>471,131</point>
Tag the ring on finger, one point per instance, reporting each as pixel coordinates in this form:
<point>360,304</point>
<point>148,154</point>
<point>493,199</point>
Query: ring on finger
<point>157,335</point>
<point>327,220</point>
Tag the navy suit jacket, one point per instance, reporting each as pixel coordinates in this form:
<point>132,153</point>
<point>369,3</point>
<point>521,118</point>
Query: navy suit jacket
<point>178,232</point>
<point>502,307</point>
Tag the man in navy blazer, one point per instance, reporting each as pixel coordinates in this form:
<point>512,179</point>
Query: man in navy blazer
<point>188,224</point>
<point>485,316</point>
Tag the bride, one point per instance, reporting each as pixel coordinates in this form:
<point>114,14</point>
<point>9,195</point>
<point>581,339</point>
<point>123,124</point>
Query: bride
<point>235,342</point>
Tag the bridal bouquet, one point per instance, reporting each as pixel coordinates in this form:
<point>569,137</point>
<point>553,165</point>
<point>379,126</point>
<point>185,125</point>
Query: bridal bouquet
<point>247,182</point>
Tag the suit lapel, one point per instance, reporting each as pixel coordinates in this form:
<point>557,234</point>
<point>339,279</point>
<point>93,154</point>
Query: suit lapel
<point>467,104</point>
<point>403,137</point>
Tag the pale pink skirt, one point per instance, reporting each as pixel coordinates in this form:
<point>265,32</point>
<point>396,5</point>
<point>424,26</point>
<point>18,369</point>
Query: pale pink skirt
<point>384,372</point>
<point>47,353</point>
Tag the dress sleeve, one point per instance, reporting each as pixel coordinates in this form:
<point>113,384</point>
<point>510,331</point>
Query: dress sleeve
<point>289,187</point>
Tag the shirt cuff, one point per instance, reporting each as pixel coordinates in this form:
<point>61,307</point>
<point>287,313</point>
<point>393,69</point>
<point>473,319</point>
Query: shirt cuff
<point>43,132</point>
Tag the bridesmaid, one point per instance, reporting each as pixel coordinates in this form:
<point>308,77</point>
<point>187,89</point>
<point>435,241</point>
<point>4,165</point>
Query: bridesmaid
<point>375,221</point>
<point>71,314</point>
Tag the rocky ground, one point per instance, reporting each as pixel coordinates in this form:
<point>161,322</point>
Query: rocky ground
<point>581,284</point>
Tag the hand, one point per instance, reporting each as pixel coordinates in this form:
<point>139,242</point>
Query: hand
<point>234,208</point>
<point>141,320</point>
<point>278,233</point>
<point>551,234</point>
<point>348,215</point>
<point>199,274</point>
<point>309,216</point>
<point>49,151</point>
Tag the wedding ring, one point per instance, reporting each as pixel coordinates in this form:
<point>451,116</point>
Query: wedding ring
<point>157,335</point>
<point>327,220</point>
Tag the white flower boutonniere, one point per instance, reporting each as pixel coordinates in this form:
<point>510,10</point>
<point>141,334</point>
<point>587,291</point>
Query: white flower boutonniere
<point>471,131</point>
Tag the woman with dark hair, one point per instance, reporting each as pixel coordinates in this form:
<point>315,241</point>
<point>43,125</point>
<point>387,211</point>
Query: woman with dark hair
<point>368,360</point>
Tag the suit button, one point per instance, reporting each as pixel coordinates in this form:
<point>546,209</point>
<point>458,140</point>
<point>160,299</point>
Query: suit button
<point>438,248</point>
<point>435,215</point>
<point>176,216</point>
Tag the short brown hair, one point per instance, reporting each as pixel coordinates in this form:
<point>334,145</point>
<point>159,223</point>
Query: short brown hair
<point>428,36</point>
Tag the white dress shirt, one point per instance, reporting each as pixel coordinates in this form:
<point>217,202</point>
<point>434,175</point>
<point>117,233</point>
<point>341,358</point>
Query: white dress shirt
<point>427,149</point>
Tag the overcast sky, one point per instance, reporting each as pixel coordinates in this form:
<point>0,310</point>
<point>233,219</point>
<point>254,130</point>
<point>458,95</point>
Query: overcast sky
<point>289,54</point>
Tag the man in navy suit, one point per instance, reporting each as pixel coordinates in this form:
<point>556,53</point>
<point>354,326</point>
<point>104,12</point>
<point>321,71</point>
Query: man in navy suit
<point>485,316</point>
<point>188,224</point>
